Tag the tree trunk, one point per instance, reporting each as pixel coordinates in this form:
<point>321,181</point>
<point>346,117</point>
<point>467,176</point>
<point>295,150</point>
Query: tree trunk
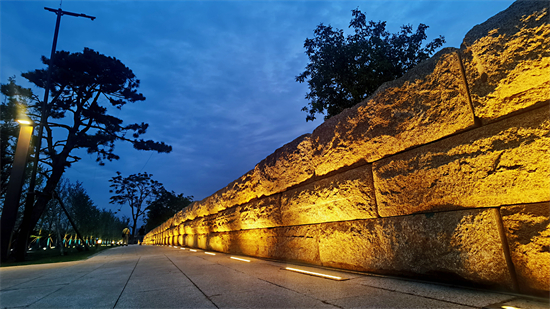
<point>33,213</point>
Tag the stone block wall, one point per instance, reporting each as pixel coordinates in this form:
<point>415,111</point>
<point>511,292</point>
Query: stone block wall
<point>443,174</point>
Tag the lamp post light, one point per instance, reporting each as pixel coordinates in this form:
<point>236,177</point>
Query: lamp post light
<point>15,185</point>
<point>29,203</point>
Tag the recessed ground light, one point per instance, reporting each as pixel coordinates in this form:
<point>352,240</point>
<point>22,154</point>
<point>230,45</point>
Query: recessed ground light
<point>193,250</point>
<point>182,248</point>
<point>315,274</point>
<point>210,253</point>
<point>236,258</point>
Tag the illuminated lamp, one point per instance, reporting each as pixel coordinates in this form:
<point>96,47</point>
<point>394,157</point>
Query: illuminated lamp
<point>210,253</point>
<point>24,122</point>
<point>15,184</point>
<point>236,258</point>
<point>315,274</point>
<point>193,250</point>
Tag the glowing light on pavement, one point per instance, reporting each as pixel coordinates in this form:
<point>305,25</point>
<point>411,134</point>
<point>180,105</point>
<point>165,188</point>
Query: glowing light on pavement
<point>314,273</point>
<point>236,258</point>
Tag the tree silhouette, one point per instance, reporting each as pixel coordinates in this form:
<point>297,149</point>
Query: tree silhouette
<point>343,71</point>
<point>136,190</point>
<point>164,207</point>
<point>84,87</point>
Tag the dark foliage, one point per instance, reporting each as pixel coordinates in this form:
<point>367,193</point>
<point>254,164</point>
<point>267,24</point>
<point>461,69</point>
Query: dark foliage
<point>165,207</point>
<point>343,71</point>
<point>136,190</point>
<point>84,88</point>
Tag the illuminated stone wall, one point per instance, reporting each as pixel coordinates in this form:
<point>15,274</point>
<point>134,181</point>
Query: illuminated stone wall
<point>443,174</point>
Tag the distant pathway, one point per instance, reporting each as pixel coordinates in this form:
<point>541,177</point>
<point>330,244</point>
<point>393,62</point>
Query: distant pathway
<point>168,277</point>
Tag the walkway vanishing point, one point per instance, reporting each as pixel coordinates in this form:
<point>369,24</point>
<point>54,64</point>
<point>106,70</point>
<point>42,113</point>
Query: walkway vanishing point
<point>172,277</point>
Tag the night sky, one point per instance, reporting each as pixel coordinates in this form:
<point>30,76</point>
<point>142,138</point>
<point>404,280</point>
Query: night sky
<point>219,76</point>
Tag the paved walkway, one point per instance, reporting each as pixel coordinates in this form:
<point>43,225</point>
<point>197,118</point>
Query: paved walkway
<point>169,277</point>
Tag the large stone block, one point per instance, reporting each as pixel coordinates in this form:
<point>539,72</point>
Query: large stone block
<point>459,246</point>
<point>258,242</point>
<point>507,60</point>
<point>261,213</point>
<point>295,243</point>
<point>287,166</point>
<point>428,103</point>
<point>345,196</point>
<point>219,242</point>
<point>504,163</point>
<point>528,232</point>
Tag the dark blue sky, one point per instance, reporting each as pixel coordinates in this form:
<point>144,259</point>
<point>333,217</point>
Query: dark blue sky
<point>218,75</point>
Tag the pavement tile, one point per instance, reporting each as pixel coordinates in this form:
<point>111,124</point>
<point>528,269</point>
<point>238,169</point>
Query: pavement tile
<point>163,277</point>
<point>25,297</point>
<point>378,298</point>
<point>80,297</point>
<point>271,298</point>
<point>470,297</point>
<point>521,304</point>
<point>175,297</point>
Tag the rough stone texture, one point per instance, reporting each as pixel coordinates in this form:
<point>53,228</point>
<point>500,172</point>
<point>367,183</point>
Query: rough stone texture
<point>295,243</point>
<point>429,103</point>
<point>262,213</point>
<point>287,166</point>
<point>219,242</point>
<point>345,196</point>
<point>507,60</point>
<point>257,242</point>
<point>435,172</point>
<point>528,232</point>
<point>458,246</point>
<point>505,163</point>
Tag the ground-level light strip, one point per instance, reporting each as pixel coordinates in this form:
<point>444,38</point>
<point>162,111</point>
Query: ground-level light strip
<point>239,259</point>
<point>315,274</point>
<point>311,273</point>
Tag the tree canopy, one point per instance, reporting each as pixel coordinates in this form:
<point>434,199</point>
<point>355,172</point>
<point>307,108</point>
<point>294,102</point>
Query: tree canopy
<point>344,70</point>
<point>84,88</point>
<point>92,222</point>
<point>138,191</point>
<point>165,207</point>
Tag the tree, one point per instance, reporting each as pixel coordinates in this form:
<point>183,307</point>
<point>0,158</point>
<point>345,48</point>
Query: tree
<point>83,87</point>
<point>90,221</point>
<point>136,190</point>
<point>165,207</point>
<point>343,71</point>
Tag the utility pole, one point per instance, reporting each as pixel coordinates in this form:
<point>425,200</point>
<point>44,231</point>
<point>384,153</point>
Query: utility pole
<point>25,230</point>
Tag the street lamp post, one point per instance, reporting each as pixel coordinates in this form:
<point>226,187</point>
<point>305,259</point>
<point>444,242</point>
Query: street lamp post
<point>15,185</point>
<point>29,203</point>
